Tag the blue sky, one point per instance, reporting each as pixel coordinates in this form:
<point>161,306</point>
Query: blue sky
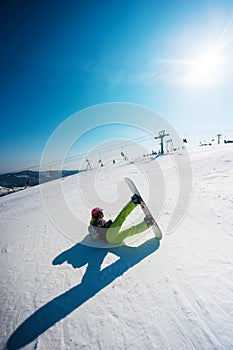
<point>59,57</point>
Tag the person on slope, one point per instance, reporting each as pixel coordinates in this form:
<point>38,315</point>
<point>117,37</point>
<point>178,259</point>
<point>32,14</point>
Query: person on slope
<point>109,231</point>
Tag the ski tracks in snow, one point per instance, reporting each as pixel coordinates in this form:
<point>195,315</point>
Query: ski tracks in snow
<point>190,318</point>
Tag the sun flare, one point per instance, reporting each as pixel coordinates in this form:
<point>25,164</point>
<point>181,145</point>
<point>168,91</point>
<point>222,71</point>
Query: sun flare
<point>207,63</point>
<point>206,67</point>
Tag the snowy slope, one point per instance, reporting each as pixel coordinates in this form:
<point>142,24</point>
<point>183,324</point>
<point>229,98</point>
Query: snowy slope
<point>177,294</point>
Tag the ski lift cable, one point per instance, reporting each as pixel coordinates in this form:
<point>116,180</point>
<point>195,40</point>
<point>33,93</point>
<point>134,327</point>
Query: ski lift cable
<point>106,149</point>
<point>83,155</point>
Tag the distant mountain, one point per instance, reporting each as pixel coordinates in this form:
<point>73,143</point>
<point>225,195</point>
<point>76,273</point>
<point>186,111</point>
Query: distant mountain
<point>14,181</point>
<point>6,190</point>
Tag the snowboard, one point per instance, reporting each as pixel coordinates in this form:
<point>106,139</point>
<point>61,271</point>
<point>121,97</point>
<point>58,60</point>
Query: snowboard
<point>134,190</point>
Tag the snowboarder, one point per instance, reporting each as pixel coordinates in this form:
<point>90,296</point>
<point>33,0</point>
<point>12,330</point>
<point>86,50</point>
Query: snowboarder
<point>109,231</point>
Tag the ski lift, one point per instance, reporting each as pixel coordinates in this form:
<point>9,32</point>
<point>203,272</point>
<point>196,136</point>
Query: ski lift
<point>123,155</point>
<point>88,164</point>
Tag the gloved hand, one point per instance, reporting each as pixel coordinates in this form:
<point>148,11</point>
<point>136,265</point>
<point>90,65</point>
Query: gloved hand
<point>108,223</point>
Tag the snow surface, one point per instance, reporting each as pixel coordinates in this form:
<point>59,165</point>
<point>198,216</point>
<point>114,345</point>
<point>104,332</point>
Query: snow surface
<point>174,294</point>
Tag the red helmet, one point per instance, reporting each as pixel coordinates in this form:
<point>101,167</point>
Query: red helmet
<point>96,212</point>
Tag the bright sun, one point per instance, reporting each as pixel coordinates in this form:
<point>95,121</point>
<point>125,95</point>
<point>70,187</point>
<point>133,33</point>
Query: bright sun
<point>206,65</point>
<point>205,69</point>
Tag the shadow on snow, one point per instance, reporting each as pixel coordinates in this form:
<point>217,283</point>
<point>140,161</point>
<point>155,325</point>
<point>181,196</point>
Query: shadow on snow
<point>93,281</point>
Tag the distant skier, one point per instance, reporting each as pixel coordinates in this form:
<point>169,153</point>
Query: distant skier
<point>109,231</point>
<point>27,182</point>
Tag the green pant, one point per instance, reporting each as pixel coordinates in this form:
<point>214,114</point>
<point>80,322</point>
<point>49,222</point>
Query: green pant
<point>114,235</point>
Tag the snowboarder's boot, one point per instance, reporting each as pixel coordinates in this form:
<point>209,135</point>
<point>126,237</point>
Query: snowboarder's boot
<point>149,220</point>
<point>136,199</point>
